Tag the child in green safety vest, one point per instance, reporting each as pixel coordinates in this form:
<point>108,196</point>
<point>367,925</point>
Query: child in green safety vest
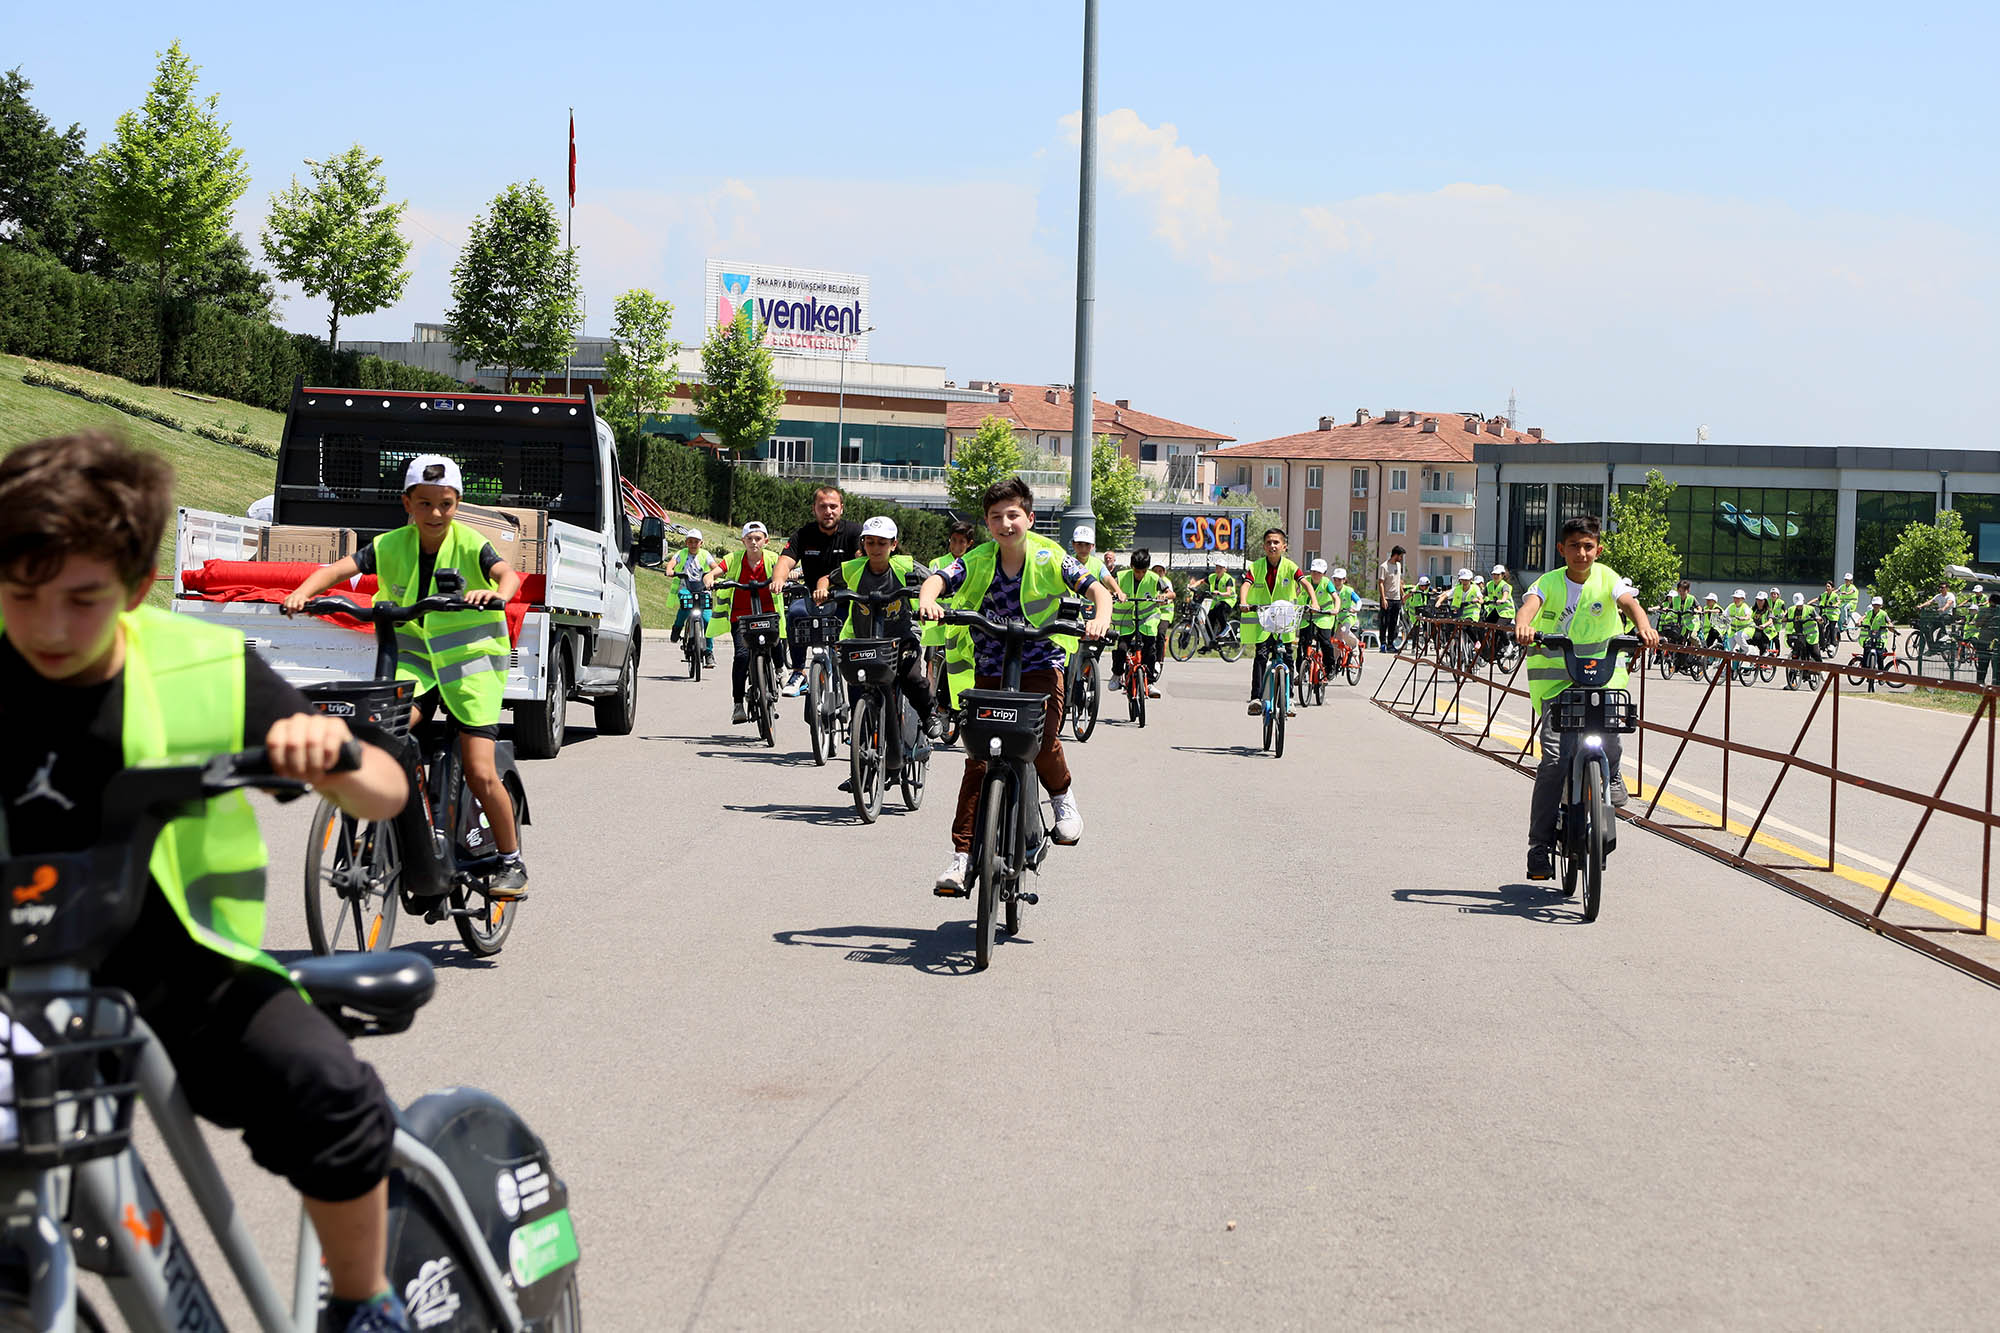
<point>880,568</point>
<point>97,682</point>
<point>1582,602</point>
<point>459,659</point>
<point>956,640</point>
<point>689,563</point>
<point>1141,594</point>
<point>754,563</point>
<point>1738,621</point>
<point>1802,631</point>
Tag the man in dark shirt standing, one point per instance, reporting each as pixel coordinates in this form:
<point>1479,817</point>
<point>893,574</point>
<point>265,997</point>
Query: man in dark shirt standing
<point>816,550</point>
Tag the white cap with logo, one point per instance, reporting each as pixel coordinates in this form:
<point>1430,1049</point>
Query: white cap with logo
<point>692,535</point>
<point>1085,533</point>
<point>1876,601</point>
<point>1738,593</point>
<point>1712,598</point>
<point>1499,569</point>
<point>1798,599</point>
<point>880,526</point>
<point>1848,576</point>
<point>433,470</point>
<point>1319,566</point>
<point>1340,573</point>
<point>1465,574</point>
<point>754,526</point>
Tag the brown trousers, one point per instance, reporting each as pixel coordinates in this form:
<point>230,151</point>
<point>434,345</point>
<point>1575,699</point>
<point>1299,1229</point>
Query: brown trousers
<point>1050,765</point>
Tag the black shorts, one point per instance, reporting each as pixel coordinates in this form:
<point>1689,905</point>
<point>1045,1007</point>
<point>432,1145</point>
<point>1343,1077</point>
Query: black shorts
<point>252,1055</point>
<point>428,704</point>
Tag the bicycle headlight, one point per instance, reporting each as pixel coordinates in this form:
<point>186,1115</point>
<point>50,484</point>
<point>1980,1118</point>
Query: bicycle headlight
<point>1593,742</point>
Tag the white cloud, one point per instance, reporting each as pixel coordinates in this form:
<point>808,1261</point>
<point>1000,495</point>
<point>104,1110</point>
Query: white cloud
<point>1183,188</point>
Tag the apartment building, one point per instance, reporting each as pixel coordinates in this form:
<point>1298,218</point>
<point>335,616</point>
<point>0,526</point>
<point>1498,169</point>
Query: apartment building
<point>1399,479</point>
<point>1171,455</point>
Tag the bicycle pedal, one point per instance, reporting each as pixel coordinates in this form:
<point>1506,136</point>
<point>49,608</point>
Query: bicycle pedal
<point>1029,898</point>
<point>943,891</point>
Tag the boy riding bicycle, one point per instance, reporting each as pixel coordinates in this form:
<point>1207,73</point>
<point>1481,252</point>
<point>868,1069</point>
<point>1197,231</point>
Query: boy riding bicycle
<point>1581,602</point>
<point>691,562</point>
<point>880,569</point>
<point>1272,577</point>
<point>93,681</point>
<point>1141,591</point>
<point>753,563</point>
<point>457,658</point>
<point>1016,576</point>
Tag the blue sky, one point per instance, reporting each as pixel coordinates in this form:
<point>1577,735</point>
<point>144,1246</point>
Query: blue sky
<point>1778,220</point>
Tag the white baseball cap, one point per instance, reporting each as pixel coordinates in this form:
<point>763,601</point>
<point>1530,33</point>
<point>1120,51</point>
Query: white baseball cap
<point>1085,533</point>
<point>1739,593</point>
<point>754,526</point>
<point>692,535</point>
<point>1499,569</point>
<point>880,526</point>
<point>1424,581</point>
<point>1712,598</point>
<point>433,470</point>
<point>1465,574</point>
<point>1877,601</point>
<point>1979,587</point>
<point>1340,573</point>
<point>1798,599</point>
<point>1319,566</point>
<point>1847,576</point>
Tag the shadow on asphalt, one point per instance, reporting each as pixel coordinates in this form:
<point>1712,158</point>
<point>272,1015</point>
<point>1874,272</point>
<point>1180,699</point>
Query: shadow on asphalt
<point>1218,749</point>
<point>444,955</point>
<point>944,952</point>
<point>804,814</point>
<point>1531,902</point>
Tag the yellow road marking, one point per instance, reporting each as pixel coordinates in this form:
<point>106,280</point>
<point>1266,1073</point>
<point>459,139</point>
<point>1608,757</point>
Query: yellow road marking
<point>1874,883</point>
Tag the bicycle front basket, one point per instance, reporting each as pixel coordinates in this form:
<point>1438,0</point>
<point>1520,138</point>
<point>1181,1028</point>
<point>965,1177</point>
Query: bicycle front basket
<point>869,661</point>
<point>73,1063</point>
<point>1278,617</point>
<point>1012,718</point>
<point>760,631</point>
<point>1594,710</point>
<point>373,703</point>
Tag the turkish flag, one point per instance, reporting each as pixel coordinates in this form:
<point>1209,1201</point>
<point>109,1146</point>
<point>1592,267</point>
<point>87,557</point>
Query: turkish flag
<point>572,159</point>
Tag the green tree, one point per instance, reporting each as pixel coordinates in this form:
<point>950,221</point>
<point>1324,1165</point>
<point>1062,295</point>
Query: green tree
<point>228,279</point>
<point>514,290</point>
<point>1115,493</point>
<point>1360,566</point>
<point>639,370</point>
<point>1921,559</point>
<point>990,455</point>
<point>1640,544</point>
<point>337,240</point>
<point>164,185</point>
<point>45,185</point>
<point>742,398</point>
<point>1260,520</point>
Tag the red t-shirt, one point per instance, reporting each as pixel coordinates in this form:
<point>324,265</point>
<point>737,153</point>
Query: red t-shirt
<point>744,603</point>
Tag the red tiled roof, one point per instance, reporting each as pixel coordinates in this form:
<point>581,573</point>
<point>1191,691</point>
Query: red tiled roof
<point>1031,410</point>
<point>1376,440</point>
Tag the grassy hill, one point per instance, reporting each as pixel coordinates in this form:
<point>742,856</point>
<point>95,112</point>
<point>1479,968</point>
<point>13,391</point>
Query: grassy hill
<point>207,475</point>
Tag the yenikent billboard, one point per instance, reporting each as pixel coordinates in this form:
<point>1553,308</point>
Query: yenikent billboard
<point>796,311</point>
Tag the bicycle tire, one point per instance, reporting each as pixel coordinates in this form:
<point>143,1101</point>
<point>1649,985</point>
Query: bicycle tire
<point>992,811</point>
<point>864,758</point>
<point>1278,714</point>
<point>1139,699</point>
<point>1088,696</point>
<point>1767,670</point>
<point>916,772</point>
<point>1180,644</point>
<point>331,832</point>
<point>814,693</point>
<point>1354,660</point>
<point>485,934</point>
<point>1016,833</point>
<point>1596,837</point>
<point>1896,665</point>
<point>1663,663</point>
<point>1230,646</point>
<point>766,703</point>
<point>1855,666</point>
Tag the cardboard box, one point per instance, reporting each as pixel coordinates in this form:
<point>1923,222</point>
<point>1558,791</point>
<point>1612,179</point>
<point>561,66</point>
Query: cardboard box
<point>319,546</point>
<point>520,536</point>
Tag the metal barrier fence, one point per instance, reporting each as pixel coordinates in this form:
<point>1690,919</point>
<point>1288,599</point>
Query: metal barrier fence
<point>1472,662</point>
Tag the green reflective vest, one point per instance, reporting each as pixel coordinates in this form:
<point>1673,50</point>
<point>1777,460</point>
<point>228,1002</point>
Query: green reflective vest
<point>850,578</point>
<point>1590,627</point>
<point>722,614</point>
<point>1042,586</point>
<point>1138,609</point>
<point>1802,624</point>
<point>1875,622</point>
<point>678,568</point>
<point>1500,598</point>
<point>461,654</point>
<point>1681,612</point>
<point>1848,595</point>
<point>1738,616</point>
<point>1290,588</point>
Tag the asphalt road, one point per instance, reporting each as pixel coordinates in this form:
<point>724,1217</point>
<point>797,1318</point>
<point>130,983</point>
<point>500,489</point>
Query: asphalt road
<point>1286,1044</point>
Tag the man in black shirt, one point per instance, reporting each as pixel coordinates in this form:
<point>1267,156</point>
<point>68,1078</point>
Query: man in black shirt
<point>815,551</point>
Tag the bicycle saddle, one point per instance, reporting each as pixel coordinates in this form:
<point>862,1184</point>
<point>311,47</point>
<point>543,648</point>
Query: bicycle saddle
<point>367,994</point>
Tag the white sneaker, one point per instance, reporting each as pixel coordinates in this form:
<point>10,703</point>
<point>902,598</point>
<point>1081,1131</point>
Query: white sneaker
<point>951,884</point>
<point>796,685</point>
<point>1069,820</point>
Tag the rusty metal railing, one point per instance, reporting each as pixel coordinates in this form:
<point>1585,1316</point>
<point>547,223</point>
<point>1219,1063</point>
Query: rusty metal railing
<point>1464,660</point>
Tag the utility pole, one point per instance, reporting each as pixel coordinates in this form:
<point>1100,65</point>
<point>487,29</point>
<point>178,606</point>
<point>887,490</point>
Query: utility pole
<point>1082,398</point>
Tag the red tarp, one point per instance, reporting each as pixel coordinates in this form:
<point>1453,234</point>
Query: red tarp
<point>273,581</point>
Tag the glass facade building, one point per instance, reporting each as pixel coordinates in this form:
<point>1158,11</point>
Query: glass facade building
<point>1752,535</point>
<point>1879,519</point>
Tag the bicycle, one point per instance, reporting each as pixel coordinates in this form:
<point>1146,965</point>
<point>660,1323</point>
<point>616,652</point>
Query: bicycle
<point>760,638</point>
<point>887,740</point>
<point>1586,828</point>
<point>1277,619</point>
<point>1876,655</point>
<point>437,855</point>
<point>1081,691</point>
<point>1310,682</point>
<point>1346,661</point>
<point>826,703</point>
<point>1004,726</point>
<point>1135,683</point>
<point>1194,633</point>
<point>496,1256</point>
<point>694,634</point>
<point>948,715</point>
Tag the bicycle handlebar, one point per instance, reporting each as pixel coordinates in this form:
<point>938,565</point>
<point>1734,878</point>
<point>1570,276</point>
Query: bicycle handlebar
<point>1014,630</point>
<point>389,613</point>
<point>873,599</point>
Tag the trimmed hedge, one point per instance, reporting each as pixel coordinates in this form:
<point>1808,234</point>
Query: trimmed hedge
<point>45,379</point>
<point>117,328</point>
<point>695,481</point>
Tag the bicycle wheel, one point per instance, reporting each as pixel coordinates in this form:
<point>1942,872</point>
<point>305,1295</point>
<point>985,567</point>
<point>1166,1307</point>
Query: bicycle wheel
<point>1767,670</point>
<point>1278,716</point>
<point>1597,805</point>
<point>1230,646</point>
<point>1354,659</point>
<point>916,771</point>
<point>354,875</point>
<point>990,868</point>
<point>487,922</point>
<point>1896,664</point>
<point>1856,664</point>
<point>765,704</point>
<point>1180,644</point>
<point>1265,698</point>
<point>864,757</point>
<point>1663,662</point>
<point>1139,695</point>
<point>1088,695</point>
<point>816,688</point>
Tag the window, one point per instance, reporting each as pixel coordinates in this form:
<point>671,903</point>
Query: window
<point>1399,480</point>
<point>1879,519</point>
<point>1437,523</point>
<point>1361,483</point>
<point>1433,571</point>
<point>850,452</point>
<point>1528,525</point>
<point>791,449</point>
<point>1273,475</point>
<point>1450,481</point>
<point>1243,474</point>
<point>1357,524</point>
<point>1397,518</point>
<point>1750,534</point>
<point>1982,524</point>
<point>1312,520</point>
<point>1577,502</point>
<point>1315,478</point>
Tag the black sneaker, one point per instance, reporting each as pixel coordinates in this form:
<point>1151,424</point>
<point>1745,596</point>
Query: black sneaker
<point>511,884</point>
<point>1541,864</point>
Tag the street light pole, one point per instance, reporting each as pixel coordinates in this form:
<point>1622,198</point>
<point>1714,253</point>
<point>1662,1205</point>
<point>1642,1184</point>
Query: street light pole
<point>1083,398</point>
<point>840,428</point>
